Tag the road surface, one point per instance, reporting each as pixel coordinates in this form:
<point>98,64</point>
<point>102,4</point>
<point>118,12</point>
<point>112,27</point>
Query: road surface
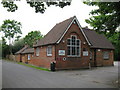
<point>19,76</point>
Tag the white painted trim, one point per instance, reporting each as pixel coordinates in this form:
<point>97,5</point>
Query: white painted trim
<point>69,27</point>
<point>48,51</point>
<point>65,32</point>
<point>75,47</point>
<point>82,32</point>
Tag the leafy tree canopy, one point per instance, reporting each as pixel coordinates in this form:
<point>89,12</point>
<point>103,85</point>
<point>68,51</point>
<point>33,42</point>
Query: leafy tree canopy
<point>11,30</point>
<point>32,37</point>
<point>39,5</point>
<point>115,39</point>
<point>18,45</point>
<point>106,18</point>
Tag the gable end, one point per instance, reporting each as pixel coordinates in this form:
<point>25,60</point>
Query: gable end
<point>74,19</point>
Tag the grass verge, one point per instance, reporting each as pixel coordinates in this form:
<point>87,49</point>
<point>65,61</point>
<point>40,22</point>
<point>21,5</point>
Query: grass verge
<point>28,65</point>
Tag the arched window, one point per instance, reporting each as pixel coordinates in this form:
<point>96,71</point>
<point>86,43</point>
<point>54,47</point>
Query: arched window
<point>73,46</point>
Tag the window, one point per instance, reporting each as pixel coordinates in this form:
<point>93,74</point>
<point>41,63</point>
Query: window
<point>37,51</point>
<point>49,51</point>
<point>105,55</point>
<point>73,46</point>
<point>28,56</point>
<point>85,52</point>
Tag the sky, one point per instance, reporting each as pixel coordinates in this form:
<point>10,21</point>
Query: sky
<point>32,21</point>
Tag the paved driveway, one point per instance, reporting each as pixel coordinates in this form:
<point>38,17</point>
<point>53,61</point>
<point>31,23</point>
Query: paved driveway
<point>0,74</point>
<point>18,76</point>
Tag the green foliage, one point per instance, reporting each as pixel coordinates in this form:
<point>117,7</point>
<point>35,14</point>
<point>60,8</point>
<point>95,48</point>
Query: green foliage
<point>11,30</point>
<point>32,37</point>
<point>106,18</point>
<point>115,39</point>
<point>4,47</point>
<point>39,5</point>
<point>11,6</point>
<point>18,45</point>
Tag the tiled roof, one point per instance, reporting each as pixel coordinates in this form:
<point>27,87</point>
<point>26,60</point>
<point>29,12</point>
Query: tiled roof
<point>52,37</point>
<point>21,50</point>
<point>55,33</point>
<point>28,50</point>
<point>97,40</point>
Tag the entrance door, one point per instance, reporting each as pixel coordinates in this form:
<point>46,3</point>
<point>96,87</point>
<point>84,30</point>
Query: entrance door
<point>20,58</point>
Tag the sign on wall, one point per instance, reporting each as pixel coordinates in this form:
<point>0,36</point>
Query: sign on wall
<point>61,52</point>
<point>85,53</point>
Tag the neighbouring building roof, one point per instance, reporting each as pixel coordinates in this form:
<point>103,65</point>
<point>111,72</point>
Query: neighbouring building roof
<point>56,33</point>
<point>28,51</point>
<point>97,40</point>
<point>21,50</point>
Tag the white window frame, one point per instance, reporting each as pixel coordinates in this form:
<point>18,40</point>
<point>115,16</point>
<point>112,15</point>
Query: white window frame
<point>49,53</point>
<point>106,57</point>
<point>74,46</point>
<point>37,51</point>
<point>29,57</point>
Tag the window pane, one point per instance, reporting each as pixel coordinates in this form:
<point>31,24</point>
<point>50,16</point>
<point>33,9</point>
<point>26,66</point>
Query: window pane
<point>78,42</point>
<point>73,37</point>
<point>68,41</point>
<point>73,42</point>
<point>78,50</point>
<point>73,50</point>
<point>106,55</point>
<point>68,52</point>
<point>49,50</point>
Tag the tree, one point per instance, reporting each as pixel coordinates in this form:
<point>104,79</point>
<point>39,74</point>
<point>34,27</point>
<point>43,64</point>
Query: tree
<point>106,18</point>
<point>115,39</point>
<point>4,48</point>
<point>32,37</point>
<point>38,5</point>
<point>11,30</point>
<point>18,45</point>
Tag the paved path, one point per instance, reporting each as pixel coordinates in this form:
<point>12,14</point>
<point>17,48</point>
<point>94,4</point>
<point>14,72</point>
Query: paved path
<point>0,74</point>
<point>18,76</point>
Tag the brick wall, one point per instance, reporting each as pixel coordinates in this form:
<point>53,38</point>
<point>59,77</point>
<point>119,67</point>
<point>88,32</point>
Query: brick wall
<point>43,60</point>
<point>100,61</point>
<point>25,58</point>
<point>110,61</point>
<point>92,60</point>
<point>72,62</point>
<point>17,57</point>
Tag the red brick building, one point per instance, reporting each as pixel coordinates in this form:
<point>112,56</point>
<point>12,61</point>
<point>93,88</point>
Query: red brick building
<point>25,54</point>
<point>72,47</point>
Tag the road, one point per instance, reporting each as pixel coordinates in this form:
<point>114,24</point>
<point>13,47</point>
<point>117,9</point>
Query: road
<point>19,76</point>
<point>0,74</point>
